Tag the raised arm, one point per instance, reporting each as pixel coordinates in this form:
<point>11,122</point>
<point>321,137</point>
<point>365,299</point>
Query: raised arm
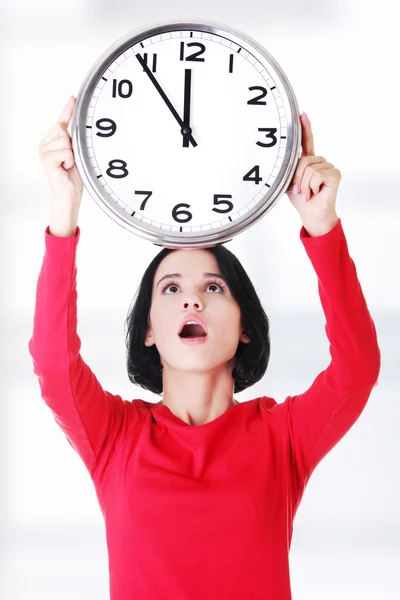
<point>318,418</point>
<point>91,418</point>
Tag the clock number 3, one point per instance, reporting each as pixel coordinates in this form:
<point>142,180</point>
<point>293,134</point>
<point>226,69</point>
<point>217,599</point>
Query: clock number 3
<point>271,131</point>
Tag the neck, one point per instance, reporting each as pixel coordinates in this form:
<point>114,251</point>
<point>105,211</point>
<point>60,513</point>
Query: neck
<point>198,398</point>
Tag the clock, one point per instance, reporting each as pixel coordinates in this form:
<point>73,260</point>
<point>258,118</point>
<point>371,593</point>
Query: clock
<point>186,133</point>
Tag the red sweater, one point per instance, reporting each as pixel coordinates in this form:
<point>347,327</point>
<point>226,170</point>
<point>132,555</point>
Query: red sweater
<point>203,512</point>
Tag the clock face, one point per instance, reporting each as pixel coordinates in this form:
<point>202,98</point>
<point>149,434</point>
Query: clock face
<point>185,134</point>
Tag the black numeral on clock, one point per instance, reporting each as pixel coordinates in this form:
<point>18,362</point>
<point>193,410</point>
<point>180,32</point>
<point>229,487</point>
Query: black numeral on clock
<point>154,65</point>
<point>177,213</point>
<point>271,131</point>
<point>110,129</point>
<point>194,56</point>
<point>114,167</point>
<point>216,201</point>
<point>148,194</point>
<point>257,99</point>
<point>256,178</point>
<point>122,88</point>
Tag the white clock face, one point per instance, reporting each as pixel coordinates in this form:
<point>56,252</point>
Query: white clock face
<point>194,143</point>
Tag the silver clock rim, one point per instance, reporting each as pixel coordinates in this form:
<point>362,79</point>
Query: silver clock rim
<point>185,239</point>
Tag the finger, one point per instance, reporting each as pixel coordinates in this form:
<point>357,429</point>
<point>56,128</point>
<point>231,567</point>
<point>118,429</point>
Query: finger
<point>329,177</point>
<point>56,158</point>
<point>304,162</point>
<point>325,177</point>
<point>66,113</point>
<point>56,143</point>
<point>308,175</point>
<point>57,131</point>
<point>307,136</point>
<point>317,181</point>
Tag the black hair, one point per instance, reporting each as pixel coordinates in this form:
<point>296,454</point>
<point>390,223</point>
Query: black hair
<point>143,362</point>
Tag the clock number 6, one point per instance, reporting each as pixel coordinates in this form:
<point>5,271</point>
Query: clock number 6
<point>176,213</point>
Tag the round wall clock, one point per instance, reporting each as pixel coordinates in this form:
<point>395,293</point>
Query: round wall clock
<point>186,133</point>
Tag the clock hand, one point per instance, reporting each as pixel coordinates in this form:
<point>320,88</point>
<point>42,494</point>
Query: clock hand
<point>186,130</point>
<point>164,97</point>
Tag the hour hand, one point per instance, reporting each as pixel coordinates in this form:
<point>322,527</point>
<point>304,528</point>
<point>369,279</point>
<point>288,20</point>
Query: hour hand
<point>165,98</point>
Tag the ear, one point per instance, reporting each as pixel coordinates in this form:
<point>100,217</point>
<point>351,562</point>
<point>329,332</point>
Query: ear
<point>244,338</point>
<point>149,341</point>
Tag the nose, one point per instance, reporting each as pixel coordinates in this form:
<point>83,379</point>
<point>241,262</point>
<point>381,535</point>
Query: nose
<point>197,305</point>
<point>193,300</point>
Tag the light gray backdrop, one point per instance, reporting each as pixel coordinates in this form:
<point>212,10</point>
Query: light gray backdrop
<point>342,60</point>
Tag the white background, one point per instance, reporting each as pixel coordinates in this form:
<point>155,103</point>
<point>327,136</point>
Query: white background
<point>341,58</point>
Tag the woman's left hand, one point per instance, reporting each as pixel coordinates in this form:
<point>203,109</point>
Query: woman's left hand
<point>317,182</point>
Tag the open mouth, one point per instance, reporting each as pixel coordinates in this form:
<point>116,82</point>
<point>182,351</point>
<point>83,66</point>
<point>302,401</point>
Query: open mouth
<point>192,331</point>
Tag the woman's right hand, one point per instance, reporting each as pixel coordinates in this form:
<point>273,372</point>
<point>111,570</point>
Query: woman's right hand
<point>56,154</point>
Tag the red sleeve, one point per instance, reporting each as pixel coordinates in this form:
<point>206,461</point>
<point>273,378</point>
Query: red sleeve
<point>319,417</point>
<point>90,417</point>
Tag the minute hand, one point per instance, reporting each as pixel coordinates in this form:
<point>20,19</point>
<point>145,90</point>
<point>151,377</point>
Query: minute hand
<point>164,97</point>
<point>186,130</point>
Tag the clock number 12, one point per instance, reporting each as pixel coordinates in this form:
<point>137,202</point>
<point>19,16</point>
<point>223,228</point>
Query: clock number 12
<point>195,56</point>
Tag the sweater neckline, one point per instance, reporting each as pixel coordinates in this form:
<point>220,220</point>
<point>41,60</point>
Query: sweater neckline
<point>170,417</point>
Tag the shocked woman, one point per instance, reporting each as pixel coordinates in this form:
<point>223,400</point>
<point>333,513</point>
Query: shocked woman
<point>198,491</point>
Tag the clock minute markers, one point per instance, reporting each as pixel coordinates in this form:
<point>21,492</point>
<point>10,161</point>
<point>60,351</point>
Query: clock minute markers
<point>165,98</point>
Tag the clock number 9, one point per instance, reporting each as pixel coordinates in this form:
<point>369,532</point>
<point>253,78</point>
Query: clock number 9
<point>111,129</point>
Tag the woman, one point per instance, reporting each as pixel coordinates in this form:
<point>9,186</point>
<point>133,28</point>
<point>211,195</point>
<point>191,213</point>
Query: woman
<point>198,491</point>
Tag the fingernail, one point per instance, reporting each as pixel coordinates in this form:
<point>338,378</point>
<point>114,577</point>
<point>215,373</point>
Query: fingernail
<point>305,116</point>
<point>295,190</point>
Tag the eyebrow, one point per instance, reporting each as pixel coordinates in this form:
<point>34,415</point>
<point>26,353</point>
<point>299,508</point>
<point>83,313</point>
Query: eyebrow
<point>179,276</point>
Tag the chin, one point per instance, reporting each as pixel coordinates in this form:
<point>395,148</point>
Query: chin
<point>201,364</point>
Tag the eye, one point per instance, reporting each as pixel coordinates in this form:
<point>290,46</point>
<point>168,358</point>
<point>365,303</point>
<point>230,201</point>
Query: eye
<point>209,283</point>
<point>168,285</point>
<point>213,283</point>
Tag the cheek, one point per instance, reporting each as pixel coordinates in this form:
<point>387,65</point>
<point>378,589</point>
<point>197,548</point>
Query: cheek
<point>163,323</point>
<point>227,321</point>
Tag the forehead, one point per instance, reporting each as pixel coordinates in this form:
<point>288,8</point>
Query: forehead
<point>188,263</point>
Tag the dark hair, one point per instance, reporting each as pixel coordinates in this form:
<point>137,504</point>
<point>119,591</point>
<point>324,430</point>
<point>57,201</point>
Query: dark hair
<point>143,362</point>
